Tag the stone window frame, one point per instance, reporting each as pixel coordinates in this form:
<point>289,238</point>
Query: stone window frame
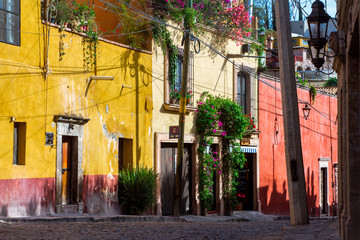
<point>245,70</point>
<point>168,104</point>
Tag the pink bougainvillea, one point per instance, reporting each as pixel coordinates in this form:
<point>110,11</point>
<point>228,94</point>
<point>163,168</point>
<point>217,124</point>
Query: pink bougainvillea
<point>231,19</point>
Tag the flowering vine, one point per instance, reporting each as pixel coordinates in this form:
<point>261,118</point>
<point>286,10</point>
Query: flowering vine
<point>218,116</point>
<point>231,19</point>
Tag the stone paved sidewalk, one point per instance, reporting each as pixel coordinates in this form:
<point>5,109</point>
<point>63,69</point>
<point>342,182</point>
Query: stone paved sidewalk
<point>243,225</point>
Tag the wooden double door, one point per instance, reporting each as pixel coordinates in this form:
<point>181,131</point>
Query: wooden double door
<point>169,158</point>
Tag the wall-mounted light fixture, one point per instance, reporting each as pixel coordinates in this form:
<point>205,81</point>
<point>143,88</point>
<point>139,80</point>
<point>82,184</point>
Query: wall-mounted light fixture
<point>318,21</point>
<point>317,56</point>
<point>306,111</point>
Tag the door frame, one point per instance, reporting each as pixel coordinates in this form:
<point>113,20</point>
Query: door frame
<point>69,126</point>
<point>164,138</point>
<point>324,163</point>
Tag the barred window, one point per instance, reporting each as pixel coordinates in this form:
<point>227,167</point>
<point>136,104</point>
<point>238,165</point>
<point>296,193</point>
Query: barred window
<point>242,90</point>
<point>174,83</point>
<point>10,21</point>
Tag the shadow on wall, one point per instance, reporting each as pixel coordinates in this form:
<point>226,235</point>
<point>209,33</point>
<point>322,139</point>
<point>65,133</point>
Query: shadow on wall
<point>311,197</point>
<point>278,203</point>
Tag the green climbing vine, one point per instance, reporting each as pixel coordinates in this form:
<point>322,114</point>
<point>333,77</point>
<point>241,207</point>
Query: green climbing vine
<point>313,93</point>
<point>220,116</point>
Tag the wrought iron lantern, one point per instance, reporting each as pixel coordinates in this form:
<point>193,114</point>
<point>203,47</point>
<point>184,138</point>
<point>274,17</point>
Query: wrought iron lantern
<point>317,55</point>
<point>306,111</point>
<point>318,24</point>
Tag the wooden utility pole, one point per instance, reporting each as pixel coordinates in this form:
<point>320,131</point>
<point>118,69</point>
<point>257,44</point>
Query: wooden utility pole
<point>182,112</point>
<point>293,150</point>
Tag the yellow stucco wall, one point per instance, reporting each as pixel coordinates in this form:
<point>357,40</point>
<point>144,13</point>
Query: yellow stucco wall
<point>29,97</point>
<point>212,73</point>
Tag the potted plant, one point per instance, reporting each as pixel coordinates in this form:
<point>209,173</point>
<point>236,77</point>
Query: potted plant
<point>83,17</point>
<point>175,97</point>
<point>63,13</point>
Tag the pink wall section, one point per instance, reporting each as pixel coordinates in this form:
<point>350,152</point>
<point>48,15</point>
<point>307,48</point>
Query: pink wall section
<point>318,139</point>
<point>100,194</point>
<point>36,196</point>
<point>27,197</point>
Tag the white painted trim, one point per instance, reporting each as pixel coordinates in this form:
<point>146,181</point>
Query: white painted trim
<point>324,163</point>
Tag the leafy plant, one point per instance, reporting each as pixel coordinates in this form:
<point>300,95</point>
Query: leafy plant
<point>302,82</point>
<point>83,17</point>
<point>61,47</point>
<point>313,93</point>
<point>231,20</point>
<point>332,82</point>
<point>218,115</point>
<point>137,189</point>
<point>134,27</point>
<point>176,96</point>
<point>64,12</point>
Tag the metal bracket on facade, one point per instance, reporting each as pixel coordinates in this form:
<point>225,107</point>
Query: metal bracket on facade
<point>103,78</point>
<point>124,86</point>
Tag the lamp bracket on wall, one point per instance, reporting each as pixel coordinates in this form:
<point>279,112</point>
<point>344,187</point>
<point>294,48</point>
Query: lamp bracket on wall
<point>318,71</point>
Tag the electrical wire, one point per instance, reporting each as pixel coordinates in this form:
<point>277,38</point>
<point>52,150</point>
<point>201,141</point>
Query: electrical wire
<point>151,18</point>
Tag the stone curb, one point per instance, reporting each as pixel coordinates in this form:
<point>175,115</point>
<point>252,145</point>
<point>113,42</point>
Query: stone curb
<point>94,219</point>
<point>279,218</point>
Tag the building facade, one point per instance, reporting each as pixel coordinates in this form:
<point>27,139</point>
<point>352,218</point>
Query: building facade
<point>71,114</point>
<point>319,146</point>
<point>347,67</point>
<point>209,72</point>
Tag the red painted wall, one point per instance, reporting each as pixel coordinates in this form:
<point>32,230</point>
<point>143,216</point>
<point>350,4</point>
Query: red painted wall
<point>318,139</point>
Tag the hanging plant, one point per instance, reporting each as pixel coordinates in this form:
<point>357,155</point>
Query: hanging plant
<point>61,46</point>
<point>313,93</point>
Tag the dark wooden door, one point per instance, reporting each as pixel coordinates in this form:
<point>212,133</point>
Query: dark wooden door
<point>66,170</point>
<point>245,185</point>
<point>323,187</point>
<point>168,161</point>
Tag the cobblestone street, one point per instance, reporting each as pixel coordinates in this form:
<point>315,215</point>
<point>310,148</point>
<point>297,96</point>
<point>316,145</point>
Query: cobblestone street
<point>280,229</point>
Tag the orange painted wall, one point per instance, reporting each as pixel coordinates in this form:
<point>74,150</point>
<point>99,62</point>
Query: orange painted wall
<point>318,139</point>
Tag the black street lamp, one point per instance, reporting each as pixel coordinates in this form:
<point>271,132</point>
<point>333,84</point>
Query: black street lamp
<point>317,55</point>
<point>306,111</point>
<point>318,24</point>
